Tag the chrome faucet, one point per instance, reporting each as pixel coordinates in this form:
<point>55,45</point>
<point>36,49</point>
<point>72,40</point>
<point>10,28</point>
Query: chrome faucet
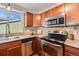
<point>7,25</point>
<point>7,29</point>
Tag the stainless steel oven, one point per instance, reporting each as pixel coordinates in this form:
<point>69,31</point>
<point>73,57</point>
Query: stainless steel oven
<point>52,49</point>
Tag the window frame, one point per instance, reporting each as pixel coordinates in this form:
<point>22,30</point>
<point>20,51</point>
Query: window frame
<point>13,9</point>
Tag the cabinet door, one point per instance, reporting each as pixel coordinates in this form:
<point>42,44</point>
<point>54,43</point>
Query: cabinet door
<point>3,52</point>
<point>58,10</point>
<point>36,20</point>
<point>29,18</point>
<point>14,51</point>
<point>71,51</point>
<point>37,44</point>
<point>42,17</point>
<point>72,14</point>
<point>47,14</point>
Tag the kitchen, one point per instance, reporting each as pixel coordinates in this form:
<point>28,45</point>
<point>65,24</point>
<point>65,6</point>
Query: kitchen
<point>39,29</point>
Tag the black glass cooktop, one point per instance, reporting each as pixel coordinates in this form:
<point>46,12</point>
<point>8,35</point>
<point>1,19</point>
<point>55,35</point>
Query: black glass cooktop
<point>59,37</point>
<point>53,39</point>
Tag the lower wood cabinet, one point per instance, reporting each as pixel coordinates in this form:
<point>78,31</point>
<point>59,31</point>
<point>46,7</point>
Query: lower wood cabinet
<point>71,51</point>
<point>68,54</point>
<point>37,44</point>
<point>14,51</point>
<point>11,49</point>
<point>3,52</point>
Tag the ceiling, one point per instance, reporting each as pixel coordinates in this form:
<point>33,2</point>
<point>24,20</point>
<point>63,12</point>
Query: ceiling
<point>37,7</point>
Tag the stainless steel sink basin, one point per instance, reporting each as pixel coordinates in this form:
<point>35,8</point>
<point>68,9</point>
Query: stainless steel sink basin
<point>10,38</point>
<point>2,39</point>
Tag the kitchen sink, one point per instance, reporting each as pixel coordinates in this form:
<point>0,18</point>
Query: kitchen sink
<point>10,38</point>
<point>2,39</point>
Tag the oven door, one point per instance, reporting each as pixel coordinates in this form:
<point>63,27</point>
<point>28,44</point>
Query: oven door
<point>52,49</point>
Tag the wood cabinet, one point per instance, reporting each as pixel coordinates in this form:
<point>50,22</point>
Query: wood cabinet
<point>28,19</point>
<point>47,14</point>
<point>14,51</point>
<point>71,51</point>
<point>37,44</point>
<point>43,16</point>
<point>3,52</point>
<point>58,10</point>
<point>72,13</point>
<point>68,54</point>
<point>36,20</point>
<point>11,49</point>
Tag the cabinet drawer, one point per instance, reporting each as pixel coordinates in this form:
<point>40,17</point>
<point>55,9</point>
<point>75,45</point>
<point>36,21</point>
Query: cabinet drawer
<point>14,43</point>
<point>9,44</point>
<point>72,50</point>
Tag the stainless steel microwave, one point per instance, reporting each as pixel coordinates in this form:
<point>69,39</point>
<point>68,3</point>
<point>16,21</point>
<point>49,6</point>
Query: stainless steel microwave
<point>55,21</point>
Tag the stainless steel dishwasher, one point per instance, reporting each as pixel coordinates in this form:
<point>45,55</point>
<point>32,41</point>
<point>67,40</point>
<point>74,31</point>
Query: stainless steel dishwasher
<point>27,48</point>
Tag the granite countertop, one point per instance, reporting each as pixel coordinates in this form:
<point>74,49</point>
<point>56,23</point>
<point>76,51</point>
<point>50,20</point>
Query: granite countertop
<point>73,43</point>
<point>14,38</point>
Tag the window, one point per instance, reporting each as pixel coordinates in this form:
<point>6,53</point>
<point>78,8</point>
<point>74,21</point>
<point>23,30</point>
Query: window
<point>14,16</point>
<point>16,22</point>
<point>2,28</point>
<point>3,15</point>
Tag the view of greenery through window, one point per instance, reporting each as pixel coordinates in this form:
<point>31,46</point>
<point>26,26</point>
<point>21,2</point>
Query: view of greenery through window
<point>15,20</point>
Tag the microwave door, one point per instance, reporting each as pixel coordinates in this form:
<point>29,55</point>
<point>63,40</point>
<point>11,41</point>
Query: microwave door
<point>54,22</point>
<point>57,21</point>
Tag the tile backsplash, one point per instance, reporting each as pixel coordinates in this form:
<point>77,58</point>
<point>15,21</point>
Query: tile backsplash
<point>71,30</point>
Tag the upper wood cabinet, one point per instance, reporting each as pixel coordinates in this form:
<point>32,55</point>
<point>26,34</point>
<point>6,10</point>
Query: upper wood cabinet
<point>53,12</point>
<point>59,9</point>
<point>56,10</point>
<point>72,13</point>
<point>28,19</point>
<point>47,14</point>
<point>43,16</point>
<point>36,20</point>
